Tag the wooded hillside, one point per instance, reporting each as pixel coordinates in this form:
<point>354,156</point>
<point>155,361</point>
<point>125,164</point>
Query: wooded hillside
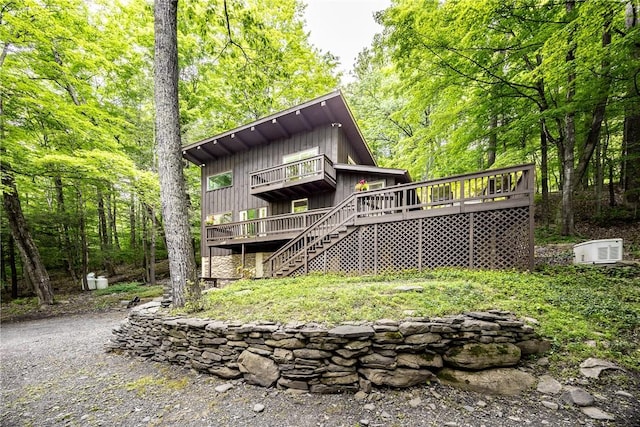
<point>448,87</point>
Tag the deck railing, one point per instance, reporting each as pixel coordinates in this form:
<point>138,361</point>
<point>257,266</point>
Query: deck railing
<point>290,173</point>
<point>475,192</point>
<point>264,228</point>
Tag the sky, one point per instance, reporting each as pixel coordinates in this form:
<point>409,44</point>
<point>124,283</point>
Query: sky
<point>343,27</point>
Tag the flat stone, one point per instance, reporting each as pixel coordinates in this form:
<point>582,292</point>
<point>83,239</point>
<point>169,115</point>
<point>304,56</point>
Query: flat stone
<point>421,360</point>
<point>409,288</point>
<point>288,343</point>
<point>550,405</point>
<point>225,372</point>
<point>224,387</point>
<point>578,397</point>
<point>592,367</point>
<point>482,356</point>
<point>414,403</point>
<point>502,381</point>
<point>399,378</point>
<point>534,346</point>
<point>412,328</point>
<point>377,360</point>
<point>258,407</point>
<point>624,394</point>
<point>352,331</point>
<point>549,385</point>
<point>306,353</point>
<point>597,414</point>
<point>428,338</point>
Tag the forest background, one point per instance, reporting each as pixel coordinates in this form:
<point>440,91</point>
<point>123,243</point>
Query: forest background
<point>447,87</point>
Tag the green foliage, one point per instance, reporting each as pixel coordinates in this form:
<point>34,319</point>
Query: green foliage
<point>572,304</point>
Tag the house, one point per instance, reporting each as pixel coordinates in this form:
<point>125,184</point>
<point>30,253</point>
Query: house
<point>279,198</point>
<point>266,181</point>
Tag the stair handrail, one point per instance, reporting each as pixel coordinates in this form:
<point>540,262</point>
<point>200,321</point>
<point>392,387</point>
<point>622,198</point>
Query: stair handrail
<point>301,242</point>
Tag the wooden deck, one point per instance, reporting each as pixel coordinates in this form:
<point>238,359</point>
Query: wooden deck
<point>479,220</point>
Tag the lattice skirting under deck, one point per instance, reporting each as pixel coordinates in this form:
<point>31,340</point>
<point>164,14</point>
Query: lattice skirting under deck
<point>498,239</point>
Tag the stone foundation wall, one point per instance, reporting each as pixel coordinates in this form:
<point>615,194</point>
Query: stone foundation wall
<point>229,266</point>
<point>321,359</point>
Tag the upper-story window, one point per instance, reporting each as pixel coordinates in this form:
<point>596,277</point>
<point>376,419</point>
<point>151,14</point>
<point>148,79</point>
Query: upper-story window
<point>221,180</point>
<point>300,155</point>
<point>300,205</point>
<point>376,185</point>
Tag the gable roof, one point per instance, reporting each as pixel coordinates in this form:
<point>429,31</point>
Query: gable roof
<point>328,109</point>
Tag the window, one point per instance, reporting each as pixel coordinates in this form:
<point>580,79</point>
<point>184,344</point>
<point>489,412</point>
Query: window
<point>376,185</point>
<point>219,218</point>
<point>253,228</point>
<point>300,155</point>
<point>221,180</point>
<point>300,205</point>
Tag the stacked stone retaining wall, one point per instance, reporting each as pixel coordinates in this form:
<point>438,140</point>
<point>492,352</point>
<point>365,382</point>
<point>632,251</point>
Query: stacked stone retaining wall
<point>321,359</point>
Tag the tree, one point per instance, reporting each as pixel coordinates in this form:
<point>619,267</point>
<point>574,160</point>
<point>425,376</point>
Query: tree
<point>172,185</point>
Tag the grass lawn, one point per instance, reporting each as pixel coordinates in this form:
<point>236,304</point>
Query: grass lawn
<point>575,306</point>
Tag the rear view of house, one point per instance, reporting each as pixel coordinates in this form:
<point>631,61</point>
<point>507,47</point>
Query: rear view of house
<point>279,198</point>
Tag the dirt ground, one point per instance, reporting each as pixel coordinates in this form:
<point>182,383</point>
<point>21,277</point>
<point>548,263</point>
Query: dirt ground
<point>55,372</point>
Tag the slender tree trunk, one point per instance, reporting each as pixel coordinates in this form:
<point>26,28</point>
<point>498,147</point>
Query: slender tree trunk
<point>597,117</point>
<point>152,245</point>
<point>145,247</point>
<point>105,244</point>
<point>544,173</point>
<point>172,186</point>
<point>568,148</point>
<point>84,248</point>
<point>493,140</point>
<point>33,267</point>
<point>113,221</point>
<point>13,268</point>
<point>66,240</point>
<point>132,223</point>
<point>631,133</point>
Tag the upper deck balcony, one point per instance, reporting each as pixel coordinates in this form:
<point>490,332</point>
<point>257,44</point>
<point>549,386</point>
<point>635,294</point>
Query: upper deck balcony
<point>295,179</point>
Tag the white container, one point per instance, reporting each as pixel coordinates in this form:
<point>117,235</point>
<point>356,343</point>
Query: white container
<point>603,251</point>
<point>91,281</point>
<point>102,282</point>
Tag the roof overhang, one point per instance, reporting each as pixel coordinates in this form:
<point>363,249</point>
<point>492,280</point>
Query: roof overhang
<point>330,109</point>
<point>402,174</point>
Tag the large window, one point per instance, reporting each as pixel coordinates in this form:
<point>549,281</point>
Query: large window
<point>300,155</point>
<point>221,180</point>
<point>219,218</point>
<point>300,205</point>
<point>302,169</point>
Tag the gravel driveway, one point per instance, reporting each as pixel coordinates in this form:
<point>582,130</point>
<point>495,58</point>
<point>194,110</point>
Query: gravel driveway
<point>55,373</point>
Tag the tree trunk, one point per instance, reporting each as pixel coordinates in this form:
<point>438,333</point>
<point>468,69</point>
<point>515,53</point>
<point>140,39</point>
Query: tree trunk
<point>152,246</point>
<point>568,146</point>
<point>597,117</point>
<point>66,240</point>
<point>13,268</point>
<point>172,185</point>
<point>631,133</point>
<point>544,174</point>
<point>84,248</point>
<point>105,245</point>
<point>132,223</point>
<point>32,263</point>
<point>493,140</point>
<point>113,220</point>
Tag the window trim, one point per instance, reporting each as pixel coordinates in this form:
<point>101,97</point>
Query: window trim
<point>381,183</point>
<point>293,202</point>
<point>230,172</point>
<point>300,155</point>
<point>220,215</point>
